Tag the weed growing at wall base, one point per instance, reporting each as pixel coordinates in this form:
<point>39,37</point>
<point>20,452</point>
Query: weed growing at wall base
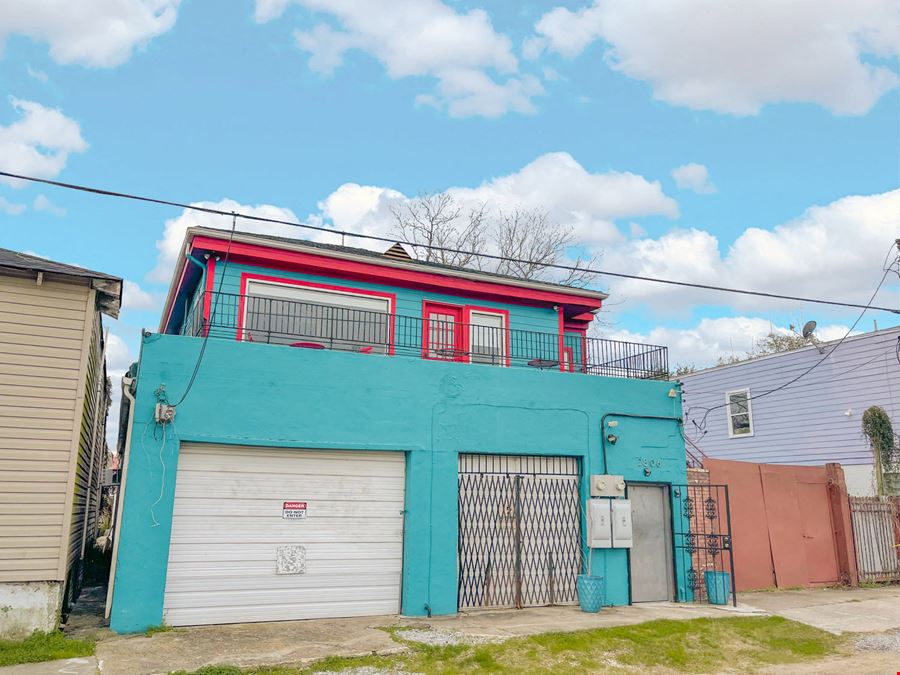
<point>43,647</point>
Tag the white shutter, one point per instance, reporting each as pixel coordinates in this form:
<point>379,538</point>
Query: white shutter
<point>227,527</point>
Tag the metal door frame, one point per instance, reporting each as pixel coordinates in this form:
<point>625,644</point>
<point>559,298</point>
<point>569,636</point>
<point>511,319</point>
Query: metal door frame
<point>498,464</point>
<point>673,581</point>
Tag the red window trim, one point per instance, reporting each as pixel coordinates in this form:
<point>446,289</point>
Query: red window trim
<point>568,354</point>
<point>582,339</point>
<point>207,298</point>
<point>460,337</point>
<point>464,312</point>
<point>252,276</point>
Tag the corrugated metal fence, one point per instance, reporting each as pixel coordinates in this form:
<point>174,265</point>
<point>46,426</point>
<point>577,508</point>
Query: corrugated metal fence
<point>876,533</point>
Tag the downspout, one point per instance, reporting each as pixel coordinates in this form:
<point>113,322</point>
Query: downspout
<point>195,261</point>
<point>120,499</point>
<point>200,286</point>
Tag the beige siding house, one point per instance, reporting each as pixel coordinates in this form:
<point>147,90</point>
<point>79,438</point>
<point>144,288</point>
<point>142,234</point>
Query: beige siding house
<point>53,404</point>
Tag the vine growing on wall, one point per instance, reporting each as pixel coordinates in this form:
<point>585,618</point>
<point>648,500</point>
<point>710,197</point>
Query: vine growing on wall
<point>879,432</point>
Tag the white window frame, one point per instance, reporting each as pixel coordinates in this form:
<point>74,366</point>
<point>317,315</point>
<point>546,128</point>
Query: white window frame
<point>729,414</point>
<point>298,288</point>
<point>285,290</point>
<point>504,357</point>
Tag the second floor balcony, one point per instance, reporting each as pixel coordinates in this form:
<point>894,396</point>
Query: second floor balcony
<point>305,325</point>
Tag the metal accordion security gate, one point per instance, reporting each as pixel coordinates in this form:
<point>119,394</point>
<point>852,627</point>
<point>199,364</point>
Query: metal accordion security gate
<point>519,531</point>
<point>701,517</point>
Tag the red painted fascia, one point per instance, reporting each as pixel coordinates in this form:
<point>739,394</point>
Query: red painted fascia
<point>298,261</point>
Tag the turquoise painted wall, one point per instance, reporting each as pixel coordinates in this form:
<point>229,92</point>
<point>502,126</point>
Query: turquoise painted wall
<point>277,396</point>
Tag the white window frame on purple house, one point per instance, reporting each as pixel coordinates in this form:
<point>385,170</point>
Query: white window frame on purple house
<point>730,415</point>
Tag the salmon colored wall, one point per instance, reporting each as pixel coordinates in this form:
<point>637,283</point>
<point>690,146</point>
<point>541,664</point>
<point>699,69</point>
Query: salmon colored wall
<point>788,524</point>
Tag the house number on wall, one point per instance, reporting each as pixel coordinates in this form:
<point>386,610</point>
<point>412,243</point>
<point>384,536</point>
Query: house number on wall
<point>649,463</point>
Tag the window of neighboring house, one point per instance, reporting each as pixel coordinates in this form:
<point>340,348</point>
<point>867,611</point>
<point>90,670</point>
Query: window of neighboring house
<point>487,337</point>
<point>443,338</point>
<point>740,413</point>
<point>286,313</point>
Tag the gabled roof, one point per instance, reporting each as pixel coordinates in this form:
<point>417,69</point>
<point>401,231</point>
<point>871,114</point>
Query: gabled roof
<point>108,287</point>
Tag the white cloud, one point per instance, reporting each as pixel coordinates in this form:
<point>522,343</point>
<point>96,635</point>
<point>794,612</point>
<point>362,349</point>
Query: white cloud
<point>833,251</point>
<point>169,247</point>
<point>694,177</point>
<point>118,356</point>
<point>703,344</point>
<point>118,359</point>
<point>39,143</point>
<point>420,38</point>
<point>135,297</point>
<point>554,182</point>
<point>38,75</point>
<point>41,203</point>
<point>11,208</point>
<point>735,57</point>
<point>589,202</point>
<point>101,33</point>
<point>565,32</point>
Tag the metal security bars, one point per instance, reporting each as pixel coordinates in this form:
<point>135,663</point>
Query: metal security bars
<point>876,534</point>
<point>519,531</point>
<point>286,322</point>
<point>701,518</point>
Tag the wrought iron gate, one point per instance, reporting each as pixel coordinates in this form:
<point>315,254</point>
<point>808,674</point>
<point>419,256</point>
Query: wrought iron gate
<point>519,530</point>
<point>701,516</point>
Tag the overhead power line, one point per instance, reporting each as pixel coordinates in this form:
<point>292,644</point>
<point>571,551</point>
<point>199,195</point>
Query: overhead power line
<point>788,383</point>
<point>390,240</point>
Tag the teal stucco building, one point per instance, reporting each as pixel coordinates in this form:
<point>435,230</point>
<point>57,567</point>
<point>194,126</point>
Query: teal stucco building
<point>369,434</point>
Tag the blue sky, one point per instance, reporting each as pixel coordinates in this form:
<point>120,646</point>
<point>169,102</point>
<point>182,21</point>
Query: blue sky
<point>786,115</point>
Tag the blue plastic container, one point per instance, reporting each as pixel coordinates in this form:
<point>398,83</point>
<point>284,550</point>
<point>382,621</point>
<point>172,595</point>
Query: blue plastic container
<point>590,592</point>
<point>718,587</point>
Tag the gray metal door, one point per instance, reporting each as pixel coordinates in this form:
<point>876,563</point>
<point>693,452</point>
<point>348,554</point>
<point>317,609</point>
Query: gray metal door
<point>652,575</point>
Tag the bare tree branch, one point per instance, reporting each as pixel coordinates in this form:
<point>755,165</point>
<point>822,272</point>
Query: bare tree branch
<point>436,220</point>
<point>528,240</point>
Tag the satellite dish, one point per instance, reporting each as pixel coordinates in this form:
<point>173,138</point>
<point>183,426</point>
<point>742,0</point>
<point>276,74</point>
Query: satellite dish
<point>808,328</point>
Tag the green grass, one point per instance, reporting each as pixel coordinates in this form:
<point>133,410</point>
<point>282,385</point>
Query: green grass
<point>43,647</point>
<point>739,644</point>
<point>162,628</point>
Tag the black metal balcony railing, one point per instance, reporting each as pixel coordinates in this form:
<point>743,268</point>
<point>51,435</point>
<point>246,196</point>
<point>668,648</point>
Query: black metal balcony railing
<point>303,324</point>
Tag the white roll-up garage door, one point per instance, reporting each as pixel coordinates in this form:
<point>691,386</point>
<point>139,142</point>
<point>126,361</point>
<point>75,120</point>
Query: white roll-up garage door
<point>270,534</point>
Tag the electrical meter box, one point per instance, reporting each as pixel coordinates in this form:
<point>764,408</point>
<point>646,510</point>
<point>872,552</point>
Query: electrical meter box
<point>621,523</point>
<point>599,523</point>
<point>603,485</point>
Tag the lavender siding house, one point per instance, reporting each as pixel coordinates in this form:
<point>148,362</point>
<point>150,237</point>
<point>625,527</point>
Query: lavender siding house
<point>814,421</point>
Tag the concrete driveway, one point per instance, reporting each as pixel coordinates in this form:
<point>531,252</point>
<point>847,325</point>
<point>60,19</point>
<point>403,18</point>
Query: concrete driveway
<point>837,610</point>
<point>298,642</point>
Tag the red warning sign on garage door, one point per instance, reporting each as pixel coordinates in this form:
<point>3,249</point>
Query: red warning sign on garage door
<point>293,510</point>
